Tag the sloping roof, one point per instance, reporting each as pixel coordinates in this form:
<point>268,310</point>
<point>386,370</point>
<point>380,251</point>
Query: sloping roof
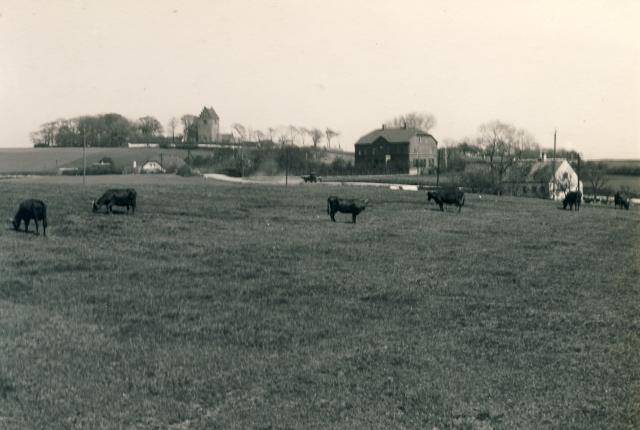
<point>208,112</point>
<point>393,135</point>
<point>543,170</point>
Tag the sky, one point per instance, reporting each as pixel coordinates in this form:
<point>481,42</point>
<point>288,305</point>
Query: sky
<point>349,65</point>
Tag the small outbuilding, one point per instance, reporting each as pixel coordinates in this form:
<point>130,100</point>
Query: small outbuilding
<point>151,166</point>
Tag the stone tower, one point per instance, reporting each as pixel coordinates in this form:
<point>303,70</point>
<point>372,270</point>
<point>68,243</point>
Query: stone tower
<point>208,125</point>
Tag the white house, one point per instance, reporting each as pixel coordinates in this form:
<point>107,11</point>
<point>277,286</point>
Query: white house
<point>551,178</point>
<point>151,166</point>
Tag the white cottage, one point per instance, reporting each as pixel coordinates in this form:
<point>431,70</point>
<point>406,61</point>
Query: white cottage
<point>551,178</point>
<point>152,166</point>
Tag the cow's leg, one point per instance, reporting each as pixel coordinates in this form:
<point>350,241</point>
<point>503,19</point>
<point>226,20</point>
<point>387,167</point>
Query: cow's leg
<point>37,229</point>
<point>441,207</point>
<point>353,217</point>
<point>26,225</point>
<point>332,215</point>
<point>44,227</point>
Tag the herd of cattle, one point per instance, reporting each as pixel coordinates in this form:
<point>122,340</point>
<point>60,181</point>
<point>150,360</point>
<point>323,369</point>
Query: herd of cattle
<point>36,210</point>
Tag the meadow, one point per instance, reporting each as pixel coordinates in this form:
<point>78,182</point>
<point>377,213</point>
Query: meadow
<point>223,305</point>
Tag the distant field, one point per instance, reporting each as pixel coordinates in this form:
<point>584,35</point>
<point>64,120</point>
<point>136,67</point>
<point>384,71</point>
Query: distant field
<point>242,306</point>
<point>47,160</point>
<point>617,182</point>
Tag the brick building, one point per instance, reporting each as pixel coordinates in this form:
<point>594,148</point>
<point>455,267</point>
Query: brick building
<point>396,150</point>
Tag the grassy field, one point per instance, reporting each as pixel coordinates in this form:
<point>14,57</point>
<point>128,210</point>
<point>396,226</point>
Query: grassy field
<point>242,306</point>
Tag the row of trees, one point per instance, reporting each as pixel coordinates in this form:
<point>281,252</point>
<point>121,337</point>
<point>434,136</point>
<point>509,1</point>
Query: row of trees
<point>290,135</point>
<point>112,129</point>
<point>107,130</point>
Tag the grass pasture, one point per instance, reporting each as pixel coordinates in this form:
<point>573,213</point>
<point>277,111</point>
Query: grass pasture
<point>242,306</point>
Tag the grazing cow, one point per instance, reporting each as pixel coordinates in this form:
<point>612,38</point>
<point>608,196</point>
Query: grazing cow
<point>117,197</point>
<point>350,206</point>
<point>621,200</point>
<point>571,199</point>
<point>454,197</point>
<point>28,210</point>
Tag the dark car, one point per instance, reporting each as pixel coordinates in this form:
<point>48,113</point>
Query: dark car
<point>312,177</point>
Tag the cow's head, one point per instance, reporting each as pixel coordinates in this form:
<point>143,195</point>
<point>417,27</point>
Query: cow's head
<point>13,223</point>
<point>429,195</point>
<point>94,205</point>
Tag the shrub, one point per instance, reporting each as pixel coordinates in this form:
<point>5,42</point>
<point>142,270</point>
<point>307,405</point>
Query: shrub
<point>187,171</point>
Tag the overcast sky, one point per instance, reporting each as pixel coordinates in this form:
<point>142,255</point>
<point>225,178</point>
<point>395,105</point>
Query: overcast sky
<point>348,65</point>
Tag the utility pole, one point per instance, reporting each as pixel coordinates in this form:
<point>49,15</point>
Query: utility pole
<point>438,168</point>
<point>553,164</point>
<point>84,158</point>
<point>579,173</point>
<point>286,169</point>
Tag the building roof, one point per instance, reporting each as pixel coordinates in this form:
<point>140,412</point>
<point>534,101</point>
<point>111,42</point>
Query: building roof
<point>544,170</point>
<point>393,135</point>
<point>209,112</point>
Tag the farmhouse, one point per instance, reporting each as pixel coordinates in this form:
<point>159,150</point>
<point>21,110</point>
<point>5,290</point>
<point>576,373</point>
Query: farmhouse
<point>549,178</point>
<point>396,150</point>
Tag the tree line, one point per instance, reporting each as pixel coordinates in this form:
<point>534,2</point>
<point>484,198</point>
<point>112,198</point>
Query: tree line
<point>113,130</point>
<point>104,130</point>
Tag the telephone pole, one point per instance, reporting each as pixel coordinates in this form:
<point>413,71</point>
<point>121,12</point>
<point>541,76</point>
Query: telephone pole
<point>84,158</point>
<point>553,164</point>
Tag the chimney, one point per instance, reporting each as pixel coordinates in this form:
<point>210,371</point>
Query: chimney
<point>404,125</point>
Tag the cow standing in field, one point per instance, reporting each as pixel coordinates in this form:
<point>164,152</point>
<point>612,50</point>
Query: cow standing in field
<point>28,210</point>
<point>621,200</point>
<point>117,197</point>
<point>455,197</point>
<point>351,206</point>
<point>571,199</point>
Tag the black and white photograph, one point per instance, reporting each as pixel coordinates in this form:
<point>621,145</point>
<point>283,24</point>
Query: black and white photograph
<point>320,214</point>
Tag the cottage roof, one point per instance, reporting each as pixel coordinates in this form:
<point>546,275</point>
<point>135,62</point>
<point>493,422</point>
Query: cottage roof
<point>209,113</point>
<point>544,170</point>
<point>393,135</point>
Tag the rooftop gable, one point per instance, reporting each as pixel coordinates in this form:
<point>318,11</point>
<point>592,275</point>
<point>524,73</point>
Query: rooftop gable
<point>209,113</point>
<point>393,135</point>
<point>545,170</point>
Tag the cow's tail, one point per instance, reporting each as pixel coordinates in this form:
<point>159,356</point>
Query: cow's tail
<point>329,206</point>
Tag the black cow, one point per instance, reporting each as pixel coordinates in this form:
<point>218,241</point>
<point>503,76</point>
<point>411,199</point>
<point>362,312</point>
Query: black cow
<point>117,197</point>
<point>571,199</point>
<point>621,200</point>
<point>350,206</point>
<point>28,210</point>
<point>454,197</point>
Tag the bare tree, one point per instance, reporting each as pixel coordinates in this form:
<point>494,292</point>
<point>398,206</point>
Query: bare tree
<point>303,132</point>
<point>172,124</point>
<point>421,120</point>
<point>149,126</point>
<point>316,136</point>
<point>293,133</point>
<point>499,141</point>
<point>240,132</point>
<point>260,135</point>
<point>330,134</point>
<point>595,173</point>
<point>188,130</point>
<point>272,133</point>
